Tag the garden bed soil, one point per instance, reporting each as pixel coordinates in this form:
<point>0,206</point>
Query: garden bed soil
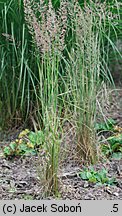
<point>19,178</point>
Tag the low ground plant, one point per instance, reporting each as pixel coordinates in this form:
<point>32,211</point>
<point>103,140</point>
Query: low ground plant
<point>111,142</point>
<point>97,177</point>
<point>113,147</point>
<point>27,143</point>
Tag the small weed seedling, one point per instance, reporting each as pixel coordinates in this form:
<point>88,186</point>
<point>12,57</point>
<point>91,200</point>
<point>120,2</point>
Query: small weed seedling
<point>97,177</point>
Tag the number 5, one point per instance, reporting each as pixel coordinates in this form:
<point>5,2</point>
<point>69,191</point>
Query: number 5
<point>115,208</point>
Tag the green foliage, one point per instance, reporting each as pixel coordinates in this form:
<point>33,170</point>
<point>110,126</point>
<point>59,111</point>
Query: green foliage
<point>36,138</point>
<point>114,146</point>
<point>99,177</point>
<point>27,143</point>
<point>17,57</point>
<point>105,126</point>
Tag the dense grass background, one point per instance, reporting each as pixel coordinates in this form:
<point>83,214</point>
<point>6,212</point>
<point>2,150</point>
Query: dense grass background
<point>19,70</point>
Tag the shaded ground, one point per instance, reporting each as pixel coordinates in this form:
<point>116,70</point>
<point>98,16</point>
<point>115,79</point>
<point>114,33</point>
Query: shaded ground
<point>19,178</point>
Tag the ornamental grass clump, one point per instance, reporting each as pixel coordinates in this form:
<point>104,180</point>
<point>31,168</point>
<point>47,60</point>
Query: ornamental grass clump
<point>48,30</point>
<point>79,74</point>
<point>85,67</point>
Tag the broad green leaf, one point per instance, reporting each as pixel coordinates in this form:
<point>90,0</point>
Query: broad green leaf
<point>7,151</point>
<point>83,175</point>
<point>13,146</point>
